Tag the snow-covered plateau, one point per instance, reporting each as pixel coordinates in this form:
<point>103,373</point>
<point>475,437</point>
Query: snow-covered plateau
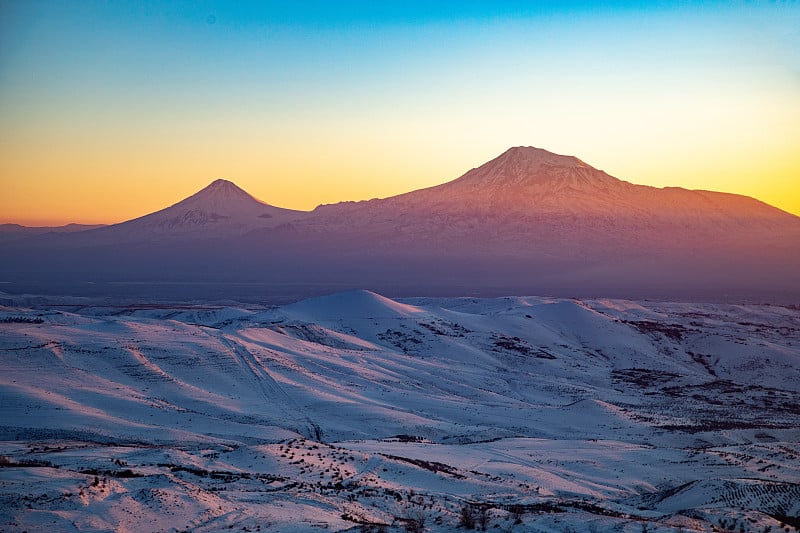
<point>355,412</point>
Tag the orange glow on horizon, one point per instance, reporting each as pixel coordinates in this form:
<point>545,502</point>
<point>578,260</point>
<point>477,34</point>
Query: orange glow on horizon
<point>128,196</point>
<point>87,196</point>
<point>108,113</point>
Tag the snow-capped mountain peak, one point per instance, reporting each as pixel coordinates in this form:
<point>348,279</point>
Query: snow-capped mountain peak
<point>529,167</point>
<point>222,196</point>
<point>222,188</point>
<point>221,209</point>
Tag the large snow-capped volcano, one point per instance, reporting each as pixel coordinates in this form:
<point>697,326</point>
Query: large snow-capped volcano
<point>533,203</point>
<point>531,182</point>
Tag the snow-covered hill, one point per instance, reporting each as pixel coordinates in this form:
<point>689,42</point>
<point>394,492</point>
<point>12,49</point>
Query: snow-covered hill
<point>354,410</point>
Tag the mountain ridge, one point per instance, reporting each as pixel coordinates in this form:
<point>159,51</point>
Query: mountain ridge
<point>529,221</point>
<point>534,171</point>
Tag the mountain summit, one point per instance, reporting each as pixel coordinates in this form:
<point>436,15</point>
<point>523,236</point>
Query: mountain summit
<point>527,177</point>
<point>526,166</point>
<point>223,198</point>
<point>223,189</point>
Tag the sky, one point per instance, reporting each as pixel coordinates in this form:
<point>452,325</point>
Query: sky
<point>110,110</point>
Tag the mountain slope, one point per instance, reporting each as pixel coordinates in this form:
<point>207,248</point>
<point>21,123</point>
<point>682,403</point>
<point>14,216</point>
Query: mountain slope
<point>356,408</point>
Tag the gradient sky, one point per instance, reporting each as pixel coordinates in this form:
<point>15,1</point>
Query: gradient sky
<point>111,110</point>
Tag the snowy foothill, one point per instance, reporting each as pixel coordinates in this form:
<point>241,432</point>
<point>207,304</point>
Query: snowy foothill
<point>357,412</point>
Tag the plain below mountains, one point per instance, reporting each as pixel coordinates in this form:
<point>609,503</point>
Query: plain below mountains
<point>529,221</point>
<point>357,412</point>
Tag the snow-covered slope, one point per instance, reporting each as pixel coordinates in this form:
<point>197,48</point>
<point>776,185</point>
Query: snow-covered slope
<point>354,408</point>
<point>349,306</point>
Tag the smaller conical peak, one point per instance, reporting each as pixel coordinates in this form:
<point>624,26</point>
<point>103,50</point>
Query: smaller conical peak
<point>221,185</point>
<point>221,188</point>
<point>221,194</point>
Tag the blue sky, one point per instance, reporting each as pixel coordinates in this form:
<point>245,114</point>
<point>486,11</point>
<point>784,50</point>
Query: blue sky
<point>305,103</point>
